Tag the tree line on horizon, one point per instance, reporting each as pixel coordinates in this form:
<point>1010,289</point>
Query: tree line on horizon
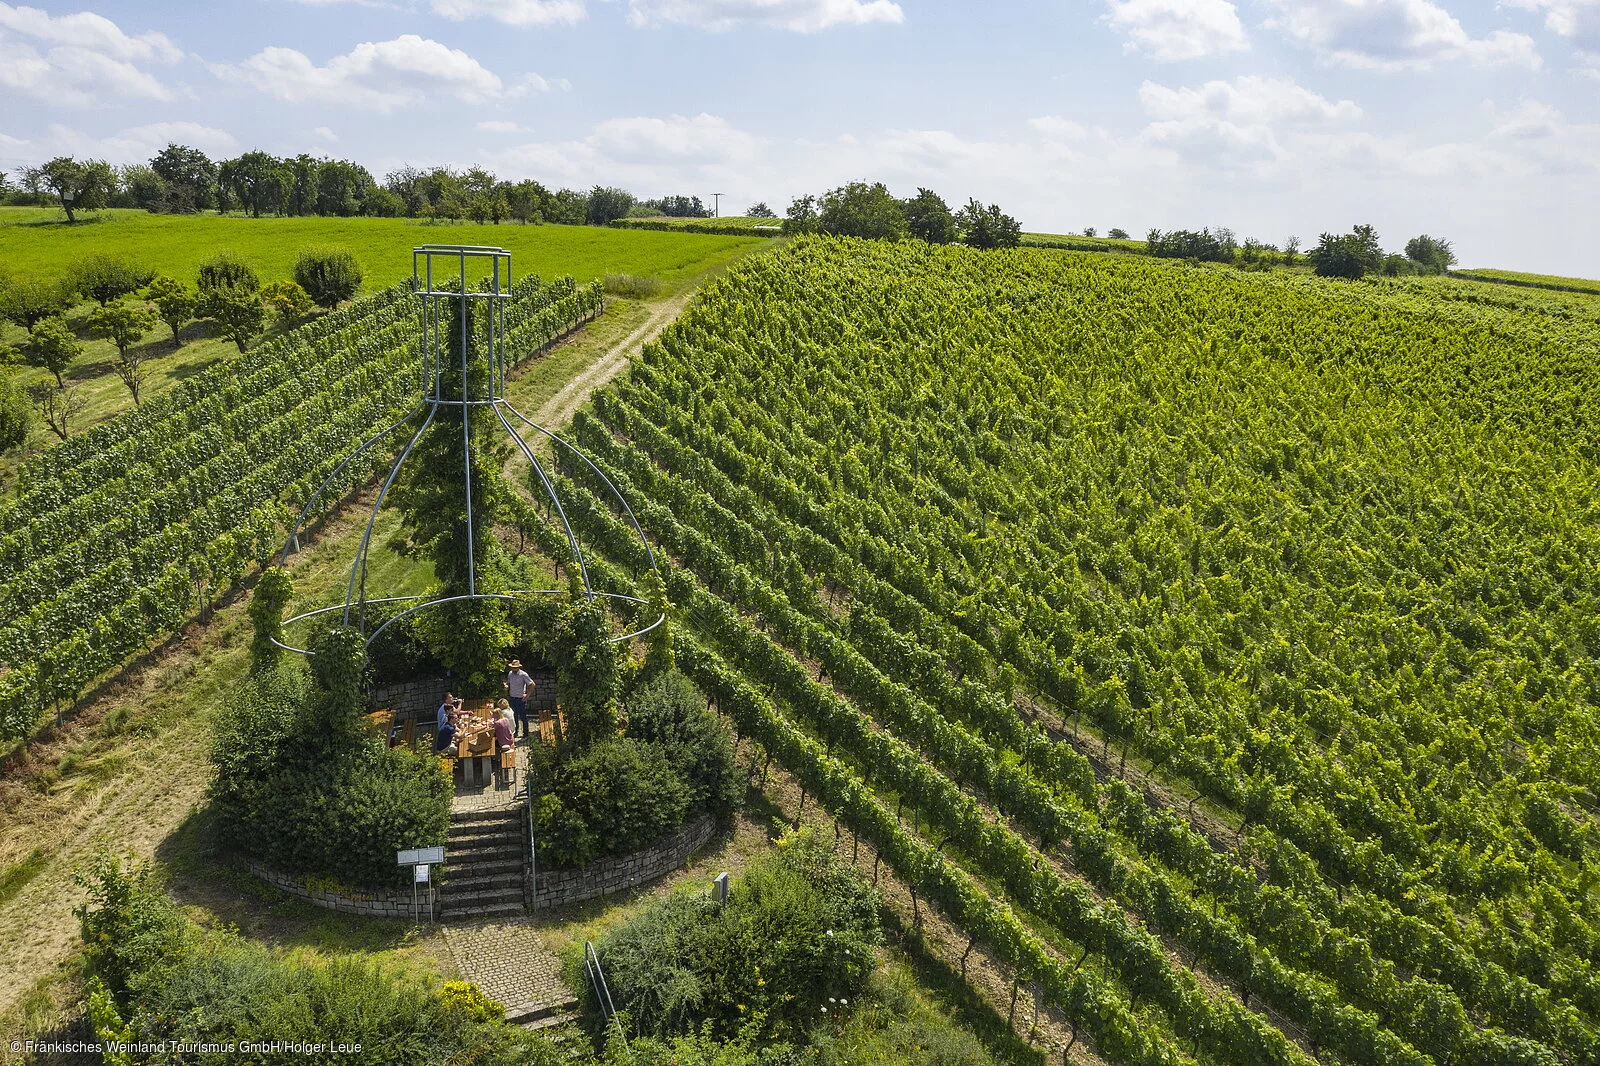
<point>183,180</point>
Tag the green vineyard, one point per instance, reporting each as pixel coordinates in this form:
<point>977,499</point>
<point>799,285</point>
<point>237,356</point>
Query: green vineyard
<point>1219,651</point>
<point>124,532</point>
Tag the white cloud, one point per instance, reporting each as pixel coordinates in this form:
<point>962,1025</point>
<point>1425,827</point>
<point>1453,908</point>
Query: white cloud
<point>373,76</point>
<point>513,12</point>
<point>1178,29</point>
<point>496,125</point>
<point>323,133</point>
<point>133,145</point>
<point>1576,19</point>
<point>644,153</point>
<point>1393,35</point>
<point>1239,122</point>
<point>81,60</point>
<point>800,16</point>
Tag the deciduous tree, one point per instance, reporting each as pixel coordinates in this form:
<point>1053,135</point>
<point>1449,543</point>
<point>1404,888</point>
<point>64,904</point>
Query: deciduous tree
<point>16,414</point>
<point>286,300</point>
<point>606,205</point>
<point>60,407</point>
<point>801,217</point>
<point>928,218</point>
<point>79,185</point>
<point>329,275</point>
<point>862,210</point>
<point>25,299</point>
<point>988,227</point>
<point>1435,255</point>
<point>190,177</point>
<point>174,301</point>
<point>106,277</point>
<point>52,346</point>
<point>237,310</point>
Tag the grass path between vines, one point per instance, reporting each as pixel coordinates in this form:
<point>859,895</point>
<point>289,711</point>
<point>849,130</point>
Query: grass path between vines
<point>129,770</point>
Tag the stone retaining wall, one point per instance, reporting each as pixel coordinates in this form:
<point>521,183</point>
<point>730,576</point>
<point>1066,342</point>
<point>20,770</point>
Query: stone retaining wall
<point>381,903</point>
<point>618,872</point>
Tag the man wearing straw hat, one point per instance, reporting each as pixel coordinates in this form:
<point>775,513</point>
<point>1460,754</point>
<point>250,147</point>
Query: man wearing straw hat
<point>518,686</point>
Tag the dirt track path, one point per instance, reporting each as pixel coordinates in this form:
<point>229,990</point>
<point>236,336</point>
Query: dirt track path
<point>559,409</point>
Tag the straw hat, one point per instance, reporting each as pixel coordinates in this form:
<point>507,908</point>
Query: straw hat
<point>515,664</point>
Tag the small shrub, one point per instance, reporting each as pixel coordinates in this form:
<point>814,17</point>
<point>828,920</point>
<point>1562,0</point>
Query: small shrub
<point>107,277</point>
<point>798,928</point>
<point>616,796</point>
<point>286,300</point>
<point>329,275</point>
<point>227,271</point>
<point>633,285</point>
<point>670,711</point>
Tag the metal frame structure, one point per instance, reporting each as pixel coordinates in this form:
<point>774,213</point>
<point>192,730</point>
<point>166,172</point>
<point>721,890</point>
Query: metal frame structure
<point>487,394</point>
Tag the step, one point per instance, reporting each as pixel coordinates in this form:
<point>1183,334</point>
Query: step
<point>479,898</point>
<point>485,831</point>
<point>541,1012</point>
<point>486,911</point>
<point>507,814</point>
<point>460,847</point>
<point>471,879</point>
<point>474,862</point>
<point>551,1022</point>
<point>454,871</point>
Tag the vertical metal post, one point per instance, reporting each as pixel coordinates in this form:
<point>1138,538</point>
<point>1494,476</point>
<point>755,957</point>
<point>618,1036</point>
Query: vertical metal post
<point>466,427</point>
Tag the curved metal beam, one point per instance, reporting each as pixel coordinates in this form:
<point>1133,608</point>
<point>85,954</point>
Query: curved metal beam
<point>294,531</point>
<point>555,498</point>
<point>632,518</point>
<point>360,563</point>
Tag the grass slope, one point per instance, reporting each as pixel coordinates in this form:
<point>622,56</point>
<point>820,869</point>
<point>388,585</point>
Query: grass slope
<point>175,244</point>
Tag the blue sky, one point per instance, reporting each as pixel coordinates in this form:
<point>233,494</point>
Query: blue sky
<point>1477,121</point>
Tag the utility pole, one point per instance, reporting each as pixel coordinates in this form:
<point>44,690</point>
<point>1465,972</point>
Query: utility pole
<point>716,204</point>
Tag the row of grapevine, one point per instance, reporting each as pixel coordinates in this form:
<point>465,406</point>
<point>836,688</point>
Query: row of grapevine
<point>1370,630</point>
<point>1435,1019</point>
<point>97,577</point>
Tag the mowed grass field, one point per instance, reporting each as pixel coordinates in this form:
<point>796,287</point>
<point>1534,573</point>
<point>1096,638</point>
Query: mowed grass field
<point>35,240</point>
<point>38,241</point>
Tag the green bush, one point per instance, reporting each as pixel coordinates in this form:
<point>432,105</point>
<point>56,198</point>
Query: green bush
<point>172,981</point>
<point>225,270</point>
<point>329,275</point>
<point>305,797</point>
<point>16,413</point>
<point>106,277</point>
<point>670,711</point>
<point>798,928</point>
<point>616,796</point>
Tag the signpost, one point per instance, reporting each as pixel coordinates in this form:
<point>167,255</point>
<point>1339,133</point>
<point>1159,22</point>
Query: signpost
<point>420,859</point>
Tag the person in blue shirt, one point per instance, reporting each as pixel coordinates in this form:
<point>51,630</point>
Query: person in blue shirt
<point>444,730</point>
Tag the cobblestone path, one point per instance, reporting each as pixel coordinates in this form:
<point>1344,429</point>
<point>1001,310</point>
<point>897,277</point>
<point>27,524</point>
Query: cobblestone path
<point>507,961</point>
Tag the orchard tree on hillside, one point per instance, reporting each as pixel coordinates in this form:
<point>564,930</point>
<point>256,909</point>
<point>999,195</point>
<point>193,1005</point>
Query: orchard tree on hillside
<point>60,407</point>
<point>1434,255</point>
<point>286,300</point>
<point>237,311</point>
<point>328,275</point>
<point>761,210</point>
<point>607,204</point>
<point>52,346</point>
<point>862,210</point>
<point>190,178</point>
<point>1117,234</point>
<point>988,227</point>
<point>175,303</point>
<point>1291,248</point>
<point>106,277</point>
<point>224,270</point>
<point>125,325</point>
<point>928,218</point>
<point>1351,255</point>
<point>25,299</point>
<point>79,185</point>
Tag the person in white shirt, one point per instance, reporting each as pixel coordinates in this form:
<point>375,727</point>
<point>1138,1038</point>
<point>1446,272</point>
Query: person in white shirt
<point>518,687</point>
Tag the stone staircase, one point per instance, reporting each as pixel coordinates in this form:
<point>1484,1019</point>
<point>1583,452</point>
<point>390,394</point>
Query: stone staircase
<point>485,860</point>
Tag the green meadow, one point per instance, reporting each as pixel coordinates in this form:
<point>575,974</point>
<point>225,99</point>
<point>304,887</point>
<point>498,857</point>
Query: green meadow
<point>39,241</point>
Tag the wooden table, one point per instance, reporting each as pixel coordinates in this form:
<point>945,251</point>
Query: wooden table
<point>475,747</point>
